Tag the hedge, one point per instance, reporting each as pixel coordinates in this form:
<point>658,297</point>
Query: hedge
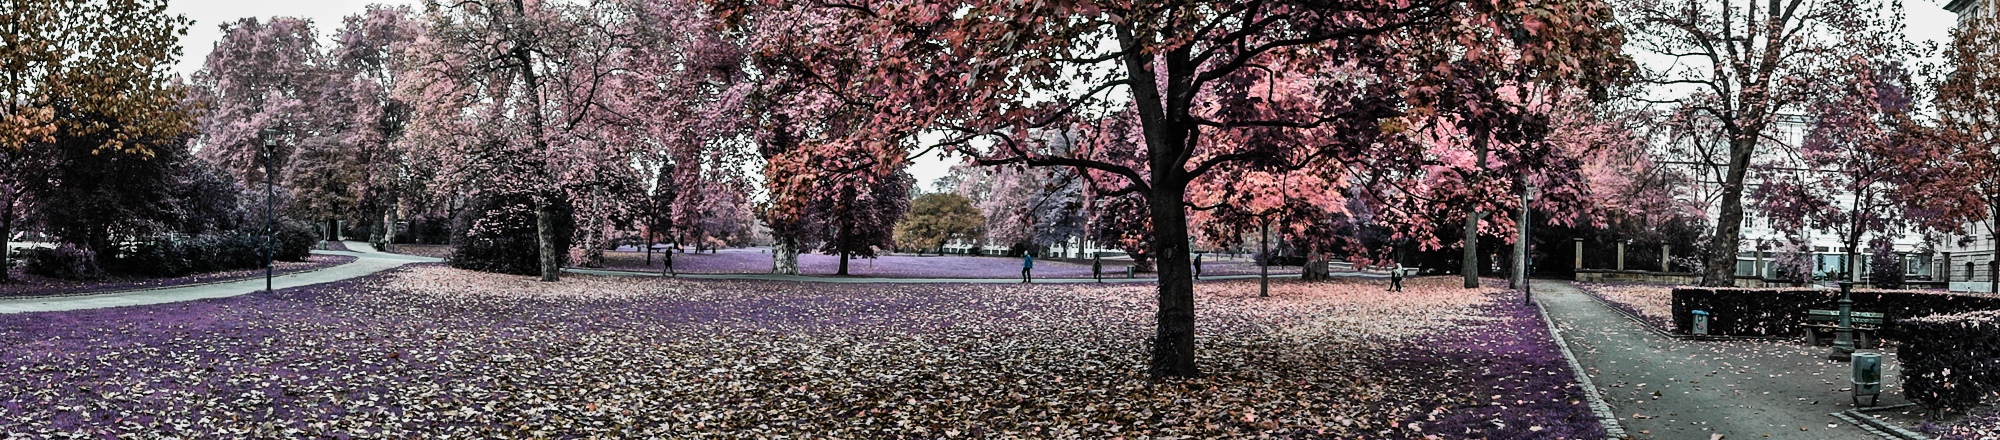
<point>1949,361</point>
<point>171,256</point>
<point>65,262</point>
<point>1780,312</point>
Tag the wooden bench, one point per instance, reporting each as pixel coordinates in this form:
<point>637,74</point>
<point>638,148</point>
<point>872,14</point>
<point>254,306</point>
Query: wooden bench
<point>1864,323</point>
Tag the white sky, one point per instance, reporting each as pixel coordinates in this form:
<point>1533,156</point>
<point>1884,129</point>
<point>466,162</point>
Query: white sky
<point>1927,19</point>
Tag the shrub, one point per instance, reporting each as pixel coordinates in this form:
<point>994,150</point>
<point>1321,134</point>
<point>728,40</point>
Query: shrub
<point>226,251</point>
<point>1779,312</point>
<point>1949,361</point>
<point>161,257</point>
<point>66,262</point>
<point>295,241</point>
<point>497,234</point>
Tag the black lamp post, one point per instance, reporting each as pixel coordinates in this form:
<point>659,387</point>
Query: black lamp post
<point>1843,336</point>
<point>270,136</point>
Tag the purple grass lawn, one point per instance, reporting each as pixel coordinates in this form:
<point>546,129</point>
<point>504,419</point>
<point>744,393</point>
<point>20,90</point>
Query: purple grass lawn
<point>26,285</point>
<point>427,351</point>
<point>757,260</point>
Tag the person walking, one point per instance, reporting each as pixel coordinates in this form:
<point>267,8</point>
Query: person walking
<point>1197,266</point>
<point>667,263</point>
<point>1097,267</point>
<point>1396,278</point>
<point>1027,267</point>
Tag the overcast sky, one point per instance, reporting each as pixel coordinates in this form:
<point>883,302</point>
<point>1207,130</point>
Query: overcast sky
<point>1928,21</point>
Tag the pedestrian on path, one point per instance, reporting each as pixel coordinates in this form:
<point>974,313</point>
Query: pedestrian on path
<point>667,263</point>
<point>1396,278</point>
<point>1097,267</point>
<point>1027,267</point>
<point>1197,266</point>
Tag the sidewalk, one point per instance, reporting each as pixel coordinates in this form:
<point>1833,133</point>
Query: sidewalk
<point>1671,389</point>
<point>867,280</point>
<point>367,262</point>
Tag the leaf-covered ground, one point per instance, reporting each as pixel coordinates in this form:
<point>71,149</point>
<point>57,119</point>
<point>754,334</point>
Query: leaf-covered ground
<point>422,250</point>
<point>429,351</point>
<point>27,285</point>
<point>1980,425</point>
<point>1651,302</point>
<point>757,261</point>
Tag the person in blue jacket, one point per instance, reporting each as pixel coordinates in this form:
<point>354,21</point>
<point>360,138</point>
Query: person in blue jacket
<point>1027,267</point>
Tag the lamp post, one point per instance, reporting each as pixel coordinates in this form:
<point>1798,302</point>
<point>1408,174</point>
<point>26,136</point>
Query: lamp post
<point>1527,248</point>
<point>1843,336</point>
<point>270,136</point>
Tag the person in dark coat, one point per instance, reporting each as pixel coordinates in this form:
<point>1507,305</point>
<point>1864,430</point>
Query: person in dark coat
<point>1197,266</point>
<point>1097,267</point>
<point>1027,267</point>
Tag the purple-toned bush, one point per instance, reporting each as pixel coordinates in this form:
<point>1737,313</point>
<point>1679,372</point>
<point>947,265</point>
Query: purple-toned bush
<point>65,262</point>
<point>1950,362</point>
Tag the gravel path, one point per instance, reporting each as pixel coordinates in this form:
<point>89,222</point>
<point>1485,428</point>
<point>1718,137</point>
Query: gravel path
<point>1673,389</point>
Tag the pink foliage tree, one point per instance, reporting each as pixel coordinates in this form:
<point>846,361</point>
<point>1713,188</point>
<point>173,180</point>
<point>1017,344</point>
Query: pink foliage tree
<point>1200,80</point>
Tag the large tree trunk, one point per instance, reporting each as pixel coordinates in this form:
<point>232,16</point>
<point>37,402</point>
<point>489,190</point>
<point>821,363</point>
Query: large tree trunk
<point>1470,266</point>
<point>545,236</point>
<point>1721,267</point>
<point>1521,247</point>
<point>1173,342</point>
<point>843,263</point>
<point>6,246</point>
<point>785,257</point>
<point>1992,267</point>
<point>1264,253</point>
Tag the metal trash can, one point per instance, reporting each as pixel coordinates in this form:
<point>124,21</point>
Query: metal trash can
<point>1128,271</point>
<point>1701,322</point>
<point>1867,377</point>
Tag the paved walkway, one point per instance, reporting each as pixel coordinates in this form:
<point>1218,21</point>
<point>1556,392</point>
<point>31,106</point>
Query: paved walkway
<point>866,280</point>
<point>367,262</point>
<point>1672,389</point>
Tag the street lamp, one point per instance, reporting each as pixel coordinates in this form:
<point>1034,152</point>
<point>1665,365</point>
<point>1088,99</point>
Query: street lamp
<point>1843,336</point>
<point>270,136</point>
<point>1527,264</point>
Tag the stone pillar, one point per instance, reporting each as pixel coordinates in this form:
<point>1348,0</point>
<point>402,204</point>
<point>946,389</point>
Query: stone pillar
<point>1579,252</point>
<point>1665,253</point>
<point>1621,254</point>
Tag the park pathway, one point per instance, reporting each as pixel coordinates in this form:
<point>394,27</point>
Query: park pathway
<point>1663,388</point>
<point>367,261</point>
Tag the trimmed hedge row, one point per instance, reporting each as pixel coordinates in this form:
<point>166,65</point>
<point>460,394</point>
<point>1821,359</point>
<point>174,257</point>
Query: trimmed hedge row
<point>1949,361</point>
<point>1780,312</point>
<point>170,256</point>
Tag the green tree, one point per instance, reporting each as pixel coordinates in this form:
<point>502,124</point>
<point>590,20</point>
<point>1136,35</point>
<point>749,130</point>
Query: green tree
<point>935,219</point>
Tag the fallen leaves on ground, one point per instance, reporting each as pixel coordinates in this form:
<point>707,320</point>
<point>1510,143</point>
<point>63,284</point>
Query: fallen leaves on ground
<point>429,351</point>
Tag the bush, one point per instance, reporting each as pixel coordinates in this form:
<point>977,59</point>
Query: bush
<point>172,256</point>
<point>160,258</point>
<point>497,234</point>
<point>1949,362</point>
<point>66,262</point>
<point>295,241</point>
<point>1779,312</point>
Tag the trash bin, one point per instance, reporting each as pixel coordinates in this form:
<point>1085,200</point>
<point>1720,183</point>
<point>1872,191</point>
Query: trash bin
<point>1867,377</point>
<point>1128,271</point>
<point>1701,322</point>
